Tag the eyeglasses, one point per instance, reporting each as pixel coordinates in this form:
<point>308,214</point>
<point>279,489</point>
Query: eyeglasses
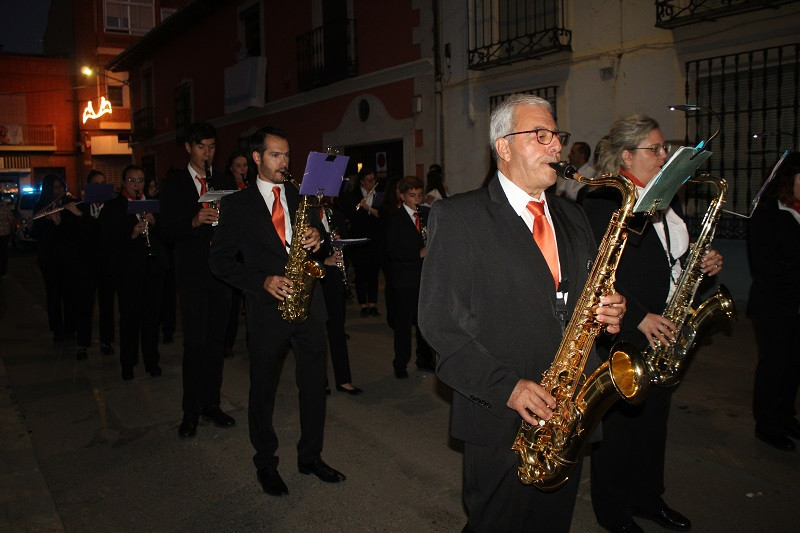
<point>658,150</point>
<point>134,180</point>
<point>544,136</point>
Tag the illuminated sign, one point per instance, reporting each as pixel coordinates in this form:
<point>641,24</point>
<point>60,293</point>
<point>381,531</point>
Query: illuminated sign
<point>88,112</point>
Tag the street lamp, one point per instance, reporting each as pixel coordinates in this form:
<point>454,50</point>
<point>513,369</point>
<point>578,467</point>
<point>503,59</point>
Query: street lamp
<point>89,71</point>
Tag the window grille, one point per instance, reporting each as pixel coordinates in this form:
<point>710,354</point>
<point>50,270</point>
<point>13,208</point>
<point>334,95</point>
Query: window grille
<point>547,93</point>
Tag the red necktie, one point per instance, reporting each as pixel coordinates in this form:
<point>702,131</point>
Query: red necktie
<point>416,220</point>
<point>278,219</point>
<point>543,235</point>
<point>203,188</point>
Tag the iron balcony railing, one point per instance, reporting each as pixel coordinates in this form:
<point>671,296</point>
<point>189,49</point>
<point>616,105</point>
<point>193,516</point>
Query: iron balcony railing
<point>326,55</point>
<point>674,13</point>
<point>27,137</point>
<point>144,124</point>
<point>505,31</point>
<point>756,95</point>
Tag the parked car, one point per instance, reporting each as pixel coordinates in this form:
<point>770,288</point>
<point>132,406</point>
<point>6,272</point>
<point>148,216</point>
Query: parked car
<point>23,213</point>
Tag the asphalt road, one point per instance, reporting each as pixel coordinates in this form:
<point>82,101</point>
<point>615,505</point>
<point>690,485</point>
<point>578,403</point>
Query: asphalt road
<point>84,451</point>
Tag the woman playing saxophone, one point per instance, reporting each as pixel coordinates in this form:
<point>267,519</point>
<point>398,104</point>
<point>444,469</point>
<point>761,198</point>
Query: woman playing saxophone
<point>628,465</point>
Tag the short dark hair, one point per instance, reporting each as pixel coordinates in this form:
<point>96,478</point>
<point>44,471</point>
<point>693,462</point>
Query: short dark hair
<point>133,167</point>
<point>409,183</point>
<point>257,140</point>
<point>92,174</point>
<point>364,172</point>
<point>782,186</point>
<point>584,149</point>
<point>200,131</point>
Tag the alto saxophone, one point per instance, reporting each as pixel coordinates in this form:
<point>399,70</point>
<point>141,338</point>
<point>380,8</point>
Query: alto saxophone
<point>301,270</point>
<point>548,452</point>
<point>667,364</point>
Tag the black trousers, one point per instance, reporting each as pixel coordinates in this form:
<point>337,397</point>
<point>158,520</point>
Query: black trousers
<point>4,240</point>
<point>233,319</point>
<point>777,374</point>
<point>405,316</point>
<point>628,464</point>
<point>268,342</point>
<point>205,308</point>
<point>333,290</point>
<point>96,280</point>
<point>366,263</point>
<point>140,290</point>
<point>496,499</point>
<point>169,303</point>
<point>60,294</point>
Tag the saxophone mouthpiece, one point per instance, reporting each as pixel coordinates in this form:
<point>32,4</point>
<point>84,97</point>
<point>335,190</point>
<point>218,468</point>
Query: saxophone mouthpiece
<point>564,169</point>
<point>286,175</point>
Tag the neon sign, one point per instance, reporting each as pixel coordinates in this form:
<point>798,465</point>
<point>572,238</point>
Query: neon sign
<point>88,112</point>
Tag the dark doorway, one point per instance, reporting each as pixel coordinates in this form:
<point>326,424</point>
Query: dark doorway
<point>385,158</point>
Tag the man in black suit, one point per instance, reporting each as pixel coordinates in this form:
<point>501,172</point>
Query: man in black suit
<point>489,306</point>
<point>250,252</point>
<point>405,246</point>
<point>204,300</point>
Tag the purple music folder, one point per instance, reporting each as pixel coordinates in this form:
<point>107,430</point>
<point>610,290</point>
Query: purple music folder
<point>98,193</point>
<point>137,207</point>
<point>323,174</point>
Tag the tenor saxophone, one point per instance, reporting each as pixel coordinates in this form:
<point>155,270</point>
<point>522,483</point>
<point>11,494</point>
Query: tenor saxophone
<point>301,269</point>
<point>548,452</point>
<point>666,364</point>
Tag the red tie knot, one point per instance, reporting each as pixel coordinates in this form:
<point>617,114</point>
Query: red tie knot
<point>536,208</point>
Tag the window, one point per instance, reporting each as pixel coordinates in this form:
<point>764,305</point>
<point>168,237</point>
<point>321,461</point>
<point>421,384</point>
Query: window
<point>548,93</point>
<point>757,97</point>
<point>183,110</point>
<point>135,17</point>
<point>250,31</point>
<point>115,95</point>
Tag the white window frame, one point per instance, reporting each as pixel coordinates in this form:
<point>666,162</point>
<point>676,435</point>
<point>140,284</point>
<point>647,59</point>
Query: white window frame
<point>133,9</point>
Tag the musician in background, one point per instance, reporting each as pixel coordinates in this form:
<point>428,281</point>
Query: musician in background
<point>579,157</point>
<point>435,187</point>
<point>405,246</point>
<point>391,202</point>
<point>95,276</point>
<point>628,465</point>
<point>774,304</point>
<point>139,263</point>
<point>334,289</point>
<point>365,223</point>
<point>250,251</point>
<point>488,306</point>
<point>204,300</point>
<point>56,256</point>
<point>236,168</point>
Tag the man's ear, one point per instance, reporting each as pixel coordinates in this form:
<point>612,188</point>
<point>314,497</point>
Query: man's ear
<point>256,157</point>
<point>503,148</point>
<point>188,147</point>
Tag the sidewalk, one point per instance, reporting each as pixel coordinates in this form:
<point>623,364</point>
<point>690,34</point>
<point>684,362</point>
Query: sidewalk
<point>85,451</point>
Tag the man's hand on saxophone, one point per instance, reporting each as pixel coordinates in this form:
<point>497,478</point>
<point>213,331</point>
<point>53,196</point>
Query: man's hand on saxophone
<point>657,328</point>
<point>312,240</point>
<point>610,312</point>
<point>531,401</point>
<point>278,286</point>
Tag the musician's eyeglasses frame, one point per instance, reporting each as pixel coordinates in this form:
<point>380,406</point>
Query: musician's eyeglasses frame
<point>545,136</point>
<point>658,150</point>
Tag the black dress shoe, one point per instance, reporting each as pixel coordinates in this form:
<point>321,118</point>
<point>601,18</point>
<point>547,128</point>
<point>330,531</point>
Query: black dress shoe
<point>271,482</point>
<point>777,440</point>
<point>354,391</point>
<point>220,419</point>
<point>400,374</point>
<point>628,527</point>
<point>793,429</point>
<point>188,427</point>
<point>668,518</point>
<point>321,470</point>
<point>81,353</point>
<point>373,311</point>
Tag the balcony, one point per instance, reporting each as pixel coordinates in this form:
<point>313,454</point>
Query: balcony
<point>675,13</point>
<point>27,137</point>
<point>507,31</point>
<point>327,55</point>
<point>143,124</point>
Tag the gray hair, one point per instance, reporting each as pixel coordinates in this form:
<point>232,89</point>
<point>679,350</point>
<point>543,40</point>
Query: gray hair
<point>502,123</point>
<point>626,134</point>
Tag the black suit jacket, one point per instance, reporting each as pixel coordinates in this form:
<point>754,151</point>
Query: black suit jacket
<point>403,243</point>
<point>179,205</point>
<point>774,249</point>
<point>488,303</point>
<point>129,255</point>
<point>247,249</point>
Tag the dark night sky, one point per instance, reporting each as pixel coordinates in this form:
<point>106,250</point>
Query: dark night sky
<point>22,24</point>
